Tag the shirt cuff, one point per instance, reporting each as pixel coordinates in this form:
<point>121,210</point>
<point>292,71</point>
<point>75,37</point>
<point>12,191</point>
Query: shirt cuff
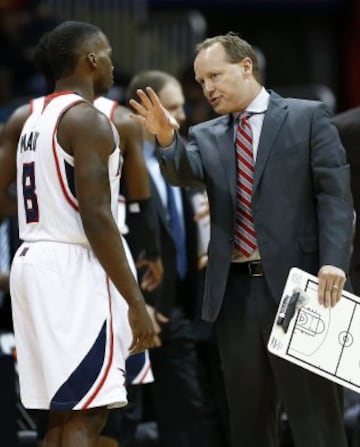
<point>167,152</point>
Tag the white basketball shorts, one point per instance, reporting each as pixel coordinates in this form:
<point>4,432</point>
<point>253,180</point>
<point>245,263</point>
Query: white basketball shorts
<point>70,354</point>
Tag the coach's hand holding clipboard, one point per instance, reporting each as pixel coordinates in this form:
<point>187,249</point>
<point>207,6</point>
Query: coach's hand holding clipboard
<point>317,330</point>
<point>331,284</point>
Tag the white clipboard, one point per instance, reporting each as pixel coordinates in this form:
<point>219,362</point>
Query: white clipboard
<point>323,340</point>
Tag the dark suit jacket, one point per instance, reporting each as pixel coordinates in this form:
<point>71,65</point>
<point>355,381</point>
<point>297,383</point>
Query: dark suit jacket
<point>302,203</point>
<point>348,125</point>
<point>172,292</point>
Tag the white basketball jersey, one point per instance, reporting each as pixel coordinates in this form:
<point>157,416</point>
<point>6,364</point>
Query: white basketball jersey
<point>37,105</point>
<point>47,205</point>
<point>107,107</point>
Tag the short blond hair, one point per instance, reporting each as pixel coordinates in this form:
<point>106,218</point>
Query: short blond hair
<point>235,48</point>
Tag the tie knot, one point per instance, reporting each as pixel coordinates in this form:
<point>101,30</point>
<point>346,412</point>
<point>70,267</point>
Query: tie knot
<point>244,119</point>
<point>244,116</point>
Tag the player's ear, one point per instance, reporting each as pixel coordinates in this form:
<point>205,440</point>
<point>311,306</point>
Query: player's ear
<point>91,59</point>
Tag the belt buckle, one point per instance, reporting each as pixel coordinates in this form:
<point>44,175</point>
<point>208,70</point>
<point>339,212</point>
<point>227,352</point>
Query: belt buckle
<point>252,272</point>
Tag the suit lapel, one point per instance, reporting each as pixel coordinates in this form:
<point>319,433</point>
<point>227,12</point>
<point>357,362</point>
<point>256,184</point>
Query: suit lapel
<point>224,134</point>
<point>274,118</point>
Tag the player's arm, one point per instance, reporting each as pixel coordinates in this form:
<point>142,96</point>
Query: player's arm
<point>140,213</point>
<point>9,137</point>
<point>86,133</point>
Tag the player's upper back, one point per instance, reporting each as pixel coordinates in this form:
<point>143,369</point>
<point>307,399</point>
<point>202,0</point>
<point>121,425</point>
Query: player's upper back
<point>47,204</point>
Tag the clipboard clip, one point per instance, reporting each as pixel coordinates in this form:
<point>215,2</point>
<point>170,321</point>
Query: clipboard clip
<point>288,308</point>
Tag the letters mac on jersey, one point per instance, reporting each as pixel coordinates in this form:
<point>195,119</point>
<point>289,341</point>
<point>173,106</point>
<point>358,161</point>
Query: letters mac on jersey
<point>45,185</point>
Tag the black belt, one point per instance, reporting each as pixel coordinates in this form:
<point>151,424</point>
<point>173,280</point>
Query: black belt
<point>251,268</point>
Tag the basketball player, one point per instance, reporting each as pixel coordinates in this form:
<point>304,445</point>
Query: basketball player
<point>137,208</point>
<point>141,222</point>
<point>72,260</point>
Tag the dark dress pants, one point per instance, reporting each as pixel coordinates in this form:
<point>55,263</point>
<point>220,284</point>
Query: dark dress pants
<point>257,382</point>
<point>177,393</point>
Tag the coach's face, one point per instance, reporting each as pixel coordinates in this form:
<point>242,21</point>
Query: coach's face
<point>225,84</point>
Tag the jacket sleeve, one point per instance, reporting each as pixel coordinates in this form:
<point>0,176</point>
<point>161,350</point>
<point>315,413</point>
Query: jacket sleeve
<point>181,163</point>
<point>331,179</point>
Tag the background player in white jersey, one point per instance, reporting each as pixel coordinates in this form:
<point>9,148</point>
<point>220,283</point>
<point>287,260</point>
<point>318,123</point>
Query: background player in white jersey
<point>83,151</point>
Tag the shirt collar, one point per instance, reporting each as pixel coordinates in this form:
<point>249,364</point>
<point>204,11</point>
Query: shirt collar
<point>258,105</point>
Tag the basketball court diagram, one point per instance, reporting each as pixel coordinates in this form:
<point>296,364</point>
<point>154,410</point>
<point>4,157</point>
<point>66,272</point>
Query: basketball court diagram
<point>323,340</point>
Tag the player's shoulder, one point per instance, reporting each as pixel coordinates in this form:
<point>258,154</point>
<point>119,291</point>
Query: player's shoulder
<point>123,110</point>
<point>16,121</point>
<point>123,121</point>
<point>19,116</point>
<point>83,115</point>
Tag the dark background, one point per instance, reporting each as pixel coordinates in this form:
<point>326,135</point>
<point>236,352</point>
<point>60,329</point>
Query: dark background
<point>303,41</point>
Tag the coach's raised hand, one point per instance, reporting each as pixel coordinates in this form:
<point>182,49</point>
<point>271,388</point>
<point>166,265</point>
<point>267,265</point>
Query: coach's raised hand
<point>154,117</point>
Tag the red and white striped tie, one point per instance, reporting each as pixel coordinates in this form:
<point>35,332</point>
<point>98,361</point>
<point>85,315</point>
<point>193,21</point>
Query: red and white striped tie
<point>245,236</point>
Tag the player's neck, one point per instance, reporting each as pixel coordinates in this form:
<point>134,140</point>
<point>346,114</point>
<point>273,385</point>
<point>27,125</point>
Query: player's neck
<point>81,88</point>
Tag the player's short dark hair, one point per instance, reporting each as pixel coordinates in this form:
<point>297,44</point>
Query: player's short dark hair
<point>65,43</point>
